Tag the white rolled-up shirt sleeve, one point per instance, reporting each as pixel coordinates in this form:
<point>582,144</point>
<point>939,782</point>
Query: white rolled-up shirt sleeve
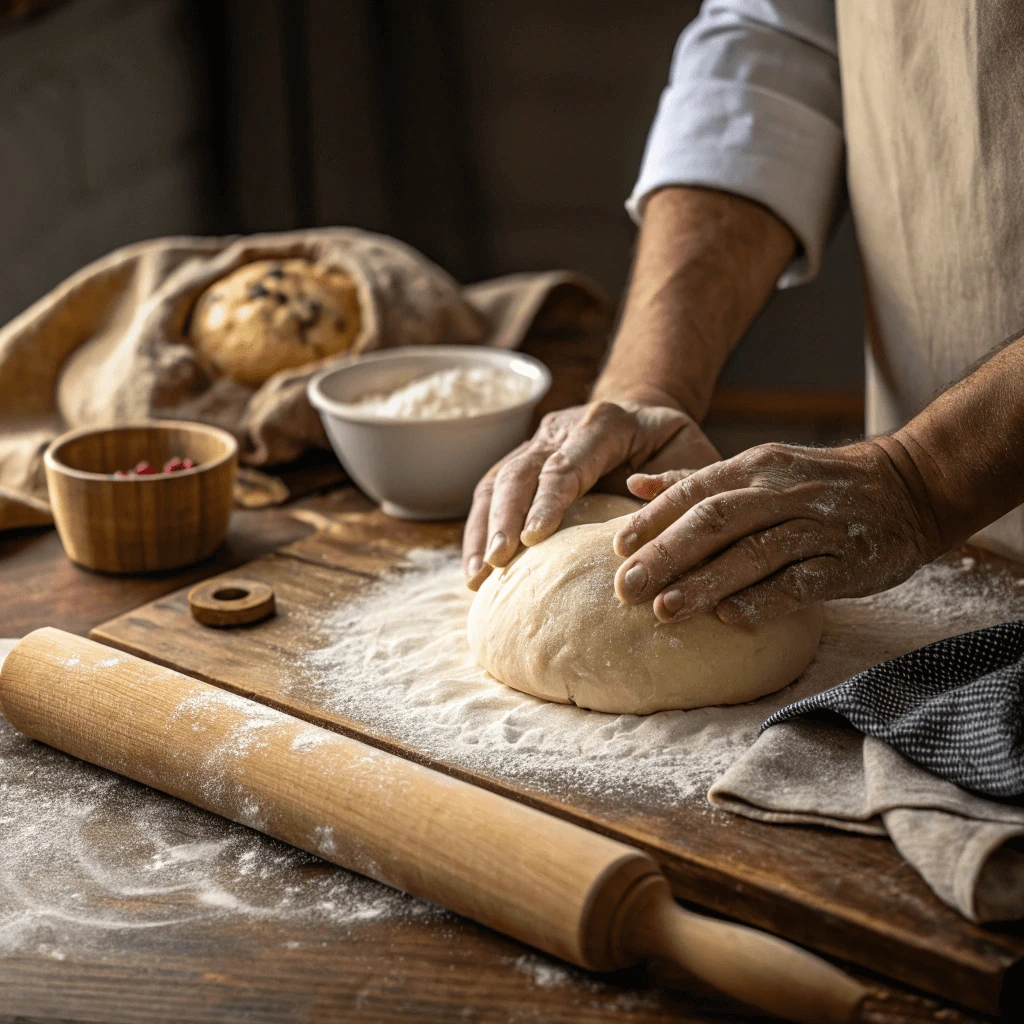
<point>754,107</point>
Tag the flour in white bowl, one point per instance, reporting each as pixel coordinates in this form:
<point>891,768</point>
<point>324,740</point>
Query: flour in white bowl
<point>448,394</point>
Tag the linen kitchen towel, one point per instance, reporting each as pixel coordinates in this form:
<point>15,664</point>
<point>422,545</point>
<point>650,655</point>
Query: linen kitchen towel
<point>955,707</point>
<point>939,733</point>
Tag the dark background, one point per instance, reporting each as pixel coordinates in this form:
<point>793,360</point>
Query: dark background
<point>494,136</point>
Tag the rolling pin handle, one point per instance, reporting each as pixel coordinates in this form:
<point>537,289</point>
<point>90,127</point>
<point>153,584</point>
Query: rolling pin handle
<point>750,965</point>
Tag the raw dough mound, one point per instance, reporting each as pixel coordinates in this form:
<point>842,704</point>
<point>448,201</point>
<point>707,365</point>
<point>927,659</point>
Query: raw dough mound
<point>274,315</point>
<point>549,624</point>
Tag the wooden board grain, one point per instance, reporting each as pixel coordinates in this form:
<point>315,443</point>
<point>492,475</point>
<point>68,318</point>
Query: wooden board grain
<point>852,897</point>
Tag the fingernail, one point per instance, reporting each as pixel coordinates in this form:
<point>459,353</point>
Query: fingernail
<point>496,544</point>
<point>636,578</point>
<point>474,566</point>
<point>532,526</point>
<point>672,600</point>
<point>628,543</point>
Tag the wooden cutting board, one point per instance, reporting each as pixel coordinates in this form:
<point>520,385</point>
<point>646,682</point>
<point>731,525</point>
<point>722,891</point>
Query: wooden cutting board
<point>848,896</point>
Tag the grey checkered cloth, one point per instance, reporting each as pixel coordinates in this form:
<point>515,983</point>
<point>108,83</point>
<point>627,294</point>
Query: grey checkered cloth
<point>955,707</point>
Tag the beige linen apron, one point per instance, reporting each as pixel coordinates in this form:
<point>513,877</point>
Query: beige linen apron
<point>933,102</point>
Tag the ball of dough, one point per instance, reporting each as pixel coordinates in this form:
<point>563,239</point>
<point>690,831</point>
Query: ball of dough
<point>549,624</point>
<point>275,315</point>
<point>598,508</point>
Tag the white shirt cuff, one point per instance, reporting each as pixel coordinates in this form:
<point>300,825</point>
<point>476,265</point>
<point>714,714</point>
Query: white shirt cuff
<point>755,143</point>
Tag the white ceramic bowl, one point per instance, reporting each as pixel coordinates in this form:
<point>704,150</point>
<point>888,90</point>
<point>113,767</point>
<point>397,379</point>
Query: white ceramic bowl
<point>421,469</point>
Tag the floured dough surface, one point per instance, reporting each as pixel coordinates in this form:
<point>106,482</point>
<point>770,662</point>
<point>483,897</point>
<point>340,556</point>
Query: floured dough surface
<point>549,624</point>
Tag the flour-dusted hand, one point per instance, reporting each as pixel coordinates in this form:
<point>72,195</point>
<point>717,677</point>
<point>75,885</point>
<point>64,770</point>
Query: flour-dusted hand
<point>526,495</point>
<point>706,263</point>
<point>773,529</point>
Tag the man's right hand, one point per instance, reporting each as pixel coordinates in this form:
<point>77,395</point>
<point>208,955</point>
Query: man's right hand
<point>524,497</point>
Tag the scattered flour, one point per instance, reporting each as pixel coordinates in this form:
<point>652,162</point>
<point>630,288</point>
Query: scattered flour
<point>397,660</point>
<point>551,974</point>
<point>310,739</point>
<point>91,864</point>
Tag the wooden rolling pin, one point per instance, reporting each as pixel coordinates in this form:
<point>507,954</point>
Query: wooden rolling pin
<point>573,893</point>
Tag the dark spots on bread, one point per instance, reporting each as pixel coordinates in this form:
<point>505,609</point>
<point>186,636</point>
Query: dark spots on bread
<point>308,311</point>
<point>277,272</point>
<point>256,291</point>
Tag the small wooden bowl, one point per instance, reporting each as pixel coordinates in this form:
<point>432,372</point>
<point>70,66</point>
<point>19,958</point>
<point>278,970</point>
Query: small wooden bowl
<point>141,523</point>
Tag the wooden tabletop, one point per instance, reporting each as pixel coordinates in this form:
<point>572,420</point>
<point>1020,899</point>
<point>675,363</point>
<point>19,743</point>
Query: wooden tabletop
<point>425,965</point>
<point>383,957</point>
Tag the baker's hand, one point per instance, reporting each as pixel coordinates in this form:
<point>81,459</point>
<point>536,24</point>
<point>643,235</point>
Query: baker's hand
<point>524,497</point>
<point>772,529</point>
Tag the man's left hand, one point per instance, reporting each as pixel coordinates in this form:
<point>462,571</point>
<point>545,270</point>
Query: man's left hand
<point>772,529</point>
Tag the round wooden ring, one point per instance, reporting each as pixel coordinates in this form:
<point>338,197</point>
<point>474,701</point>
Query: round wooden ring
<point>230,601</point>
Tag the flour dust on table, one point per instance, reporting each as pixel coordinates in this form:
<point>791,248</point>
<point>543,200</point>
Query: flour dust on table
<point>90,862</point>
<point>396,659</point>
<point>88,858</point>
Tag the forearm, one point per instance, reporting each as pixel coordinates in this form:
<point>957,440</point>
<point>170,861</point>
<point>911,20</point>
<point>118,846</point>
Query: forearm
<point>962,457</point>
<point>706,263</point>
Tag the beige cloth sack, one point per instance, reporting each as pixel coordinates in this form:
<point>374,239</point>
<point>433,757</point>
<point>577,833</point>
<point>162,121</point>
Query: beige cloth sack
<point>110,343</point>
<point>933,111</point>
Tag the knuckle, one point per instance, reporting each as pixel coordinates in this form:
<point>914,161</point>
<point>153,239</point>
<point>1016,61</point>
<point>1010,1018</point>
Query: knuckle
<point>771,456</point>
<point>772,467</point>
<point>553,429</point>
<point>484,488</point>
<point>559,464</point>
<point>754,550</point>
<point>661,556</point>
<point>780,452</point>
<point>671,477</point>
<point>678,493</point>
<point>710,516</point>
<point>797,585</point>
<point>520,464</point>
<point>550,422</point>
<point>642,522</point>
<point>752,458</point>
<point>506,471</point>
<point>605,414</point>
<point>639,523</point>
<point>604,408</point>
